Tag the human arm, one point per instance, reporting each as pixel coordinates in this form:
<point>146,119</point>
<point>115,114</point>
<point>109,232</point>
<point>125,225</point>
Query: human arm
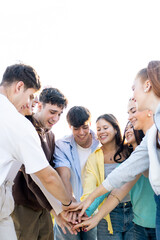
<point>65,174</point>
<point>109,204</point>
<point>154,158</point>
<point>93,177</point>
<point>47,196</point>
<point>138,162</point>
<point>53,183</point>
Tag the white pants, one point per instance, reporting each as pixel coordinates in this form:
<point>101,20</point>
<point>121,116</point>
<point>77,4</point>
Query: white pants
<point>7,231</point>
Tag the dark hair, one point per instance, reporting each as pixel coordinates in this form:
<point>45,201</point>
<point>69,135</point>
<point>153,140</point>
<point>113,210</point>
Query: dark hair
<point>21,72</point>
<point>113,121</point>
<point>77,116</point>
<point>128,149</point>
<point>53,96</point>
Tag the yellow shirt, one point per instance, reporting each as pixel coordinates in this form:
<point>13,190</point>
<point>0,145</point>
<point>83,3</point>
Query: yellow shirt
<point>93,177</point>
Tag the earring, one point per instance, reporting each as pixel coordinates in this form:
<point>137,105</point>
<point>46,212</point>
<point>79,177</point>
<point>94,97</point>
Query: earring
<point>149,115</point>
<point>145,90</point>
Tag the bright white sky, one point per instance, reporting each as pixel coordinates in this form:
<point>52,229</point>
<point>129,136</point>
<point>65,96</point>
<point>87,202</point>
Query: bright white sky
<point>90,50</point>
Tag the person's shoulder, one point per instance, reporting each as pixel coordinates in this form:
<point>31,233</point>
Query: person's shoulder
<point>96,154</point>
<point>66,140</point>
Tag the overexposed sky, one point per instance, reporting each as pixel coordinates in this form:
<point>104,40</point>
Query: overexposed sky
<point>90,50</point>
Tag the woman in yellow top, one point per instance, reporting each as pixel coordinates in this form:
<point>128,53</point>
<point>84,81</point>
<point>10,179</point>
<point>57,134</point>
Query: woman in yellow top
<point>100,163</point>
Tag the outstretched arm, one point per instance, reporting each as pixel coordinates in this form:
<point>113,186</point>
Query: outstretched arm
<point>110,203</point>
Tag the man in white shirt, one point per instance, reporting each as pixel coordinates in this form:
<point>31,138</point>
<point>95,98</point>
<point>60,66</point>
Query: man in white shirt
<point>20,144</point>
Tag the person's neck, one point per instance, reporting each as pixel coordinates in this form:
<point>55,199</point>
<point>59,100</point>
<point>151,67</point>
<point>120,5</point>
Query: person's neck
<point>37,117</point>
<point>109,147</point>
<point>147,125</point>
<point>134,145</point>
<point>154,101</point>
<point>3,91</point>
<point>7,92</point>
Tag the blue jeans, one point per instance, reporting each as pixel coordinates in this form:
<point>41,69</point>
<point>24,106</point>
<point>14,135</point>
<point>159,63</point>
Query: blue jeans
<point>59,235</point>
<point>121,219</point>
<point>157,199</point>
<point>142,233</point>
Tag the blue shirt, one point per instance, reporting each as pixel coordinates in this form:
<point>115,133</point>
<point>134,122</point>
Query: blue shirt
<point>66,155</point>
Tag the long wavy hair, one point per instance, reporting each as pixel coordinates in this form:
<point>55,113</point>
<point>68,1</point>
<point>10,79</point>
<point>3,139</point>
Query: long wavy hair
<point>125,148</point>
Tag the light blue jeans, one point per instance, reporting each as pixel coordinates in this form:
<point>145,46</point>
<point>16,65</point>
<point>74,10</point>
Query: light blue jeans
<point>121,219</point>
<point>59,235</point>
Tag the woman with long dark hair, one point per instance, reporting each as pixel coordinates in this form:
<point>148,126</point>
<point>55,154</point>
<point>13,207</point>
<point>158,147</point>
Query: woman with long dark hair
<point>100,163</point>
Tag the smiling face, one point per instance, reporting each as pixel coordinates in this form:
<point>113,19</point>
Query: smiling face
<point>27,109</point>
<point>48,115</point>
<point>136,118</point>
<point>105,131</point>
<point>82,134</point>
<point>129,134</point>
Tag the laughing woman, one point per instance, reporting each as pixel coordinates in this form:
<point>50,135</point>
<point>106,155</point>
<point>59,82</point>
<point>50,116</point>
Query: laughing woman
<point>100,163</point>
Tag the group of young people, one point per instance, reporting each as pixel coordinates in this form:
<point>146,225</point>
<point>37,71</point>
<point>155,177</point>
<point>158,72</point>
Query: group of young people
<point>96,185</point>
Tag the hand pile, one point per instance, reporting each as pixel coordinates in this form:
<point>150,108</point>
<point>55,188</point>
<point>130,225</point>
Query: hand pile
<point>74,218</point>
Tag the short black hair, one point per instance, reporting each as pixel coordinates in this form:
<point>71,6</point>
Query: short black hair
<point>77,116</point>
<point>53,96</point>
<point>21,72</point>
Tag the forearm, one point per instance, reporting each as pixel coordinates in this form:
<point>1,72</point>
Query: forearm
<point>137,163</point>
<point>56,205</point>
<point>65,175</point>
<point>54,185</point>
<point>109,204</point>
<point>97,192</point>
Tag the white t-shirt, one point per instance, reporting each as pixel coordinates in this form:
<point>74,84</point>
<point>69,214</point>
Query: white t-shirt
<point>19,142</point>
<point>83,154</point>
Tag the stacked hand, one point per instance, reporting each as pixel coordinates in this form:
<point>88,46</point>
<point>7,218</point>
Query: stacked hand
<point>75,215</point>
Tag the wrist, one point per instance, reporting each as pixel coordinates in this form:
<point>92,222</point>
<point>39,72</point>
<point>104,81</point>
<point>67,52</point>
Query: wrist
<point>67,205</point>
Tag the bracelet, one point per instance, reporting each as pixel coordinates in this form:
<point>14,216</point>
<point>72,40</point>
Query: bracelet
<point>115,197</point>
<point>67,205</point>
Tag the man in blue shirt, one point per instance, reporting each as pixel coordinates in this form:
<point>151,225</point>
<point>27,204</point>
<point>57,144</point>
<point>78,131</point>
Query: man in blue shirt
<point>71,154</point>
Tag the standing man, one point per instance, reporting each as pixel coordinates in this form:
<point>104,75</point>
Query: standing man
<point>71,154</point>
<point>32,208</point>
<point>20,144</point>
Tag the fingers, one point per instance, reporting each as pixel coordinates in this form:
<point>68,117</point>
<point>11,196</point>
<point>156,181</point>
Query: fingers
<point>81,214</point>
<point>74,218</point>
<point>84,226</point>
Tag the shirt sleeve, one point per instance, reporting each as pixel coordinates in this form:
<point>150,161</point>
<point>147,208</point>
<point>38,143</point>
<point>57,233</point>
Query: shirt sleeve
<point>60,156</point>
<point>138,162</point>
<point>95,204</point>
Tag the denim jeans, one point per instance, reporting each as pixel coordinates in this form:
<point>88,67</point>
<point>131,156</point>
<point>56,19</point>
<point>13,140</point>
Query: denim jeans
<point>59,235</point>
<point>157,199</point>
<point>121,219</point>
<point>142,233</point>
